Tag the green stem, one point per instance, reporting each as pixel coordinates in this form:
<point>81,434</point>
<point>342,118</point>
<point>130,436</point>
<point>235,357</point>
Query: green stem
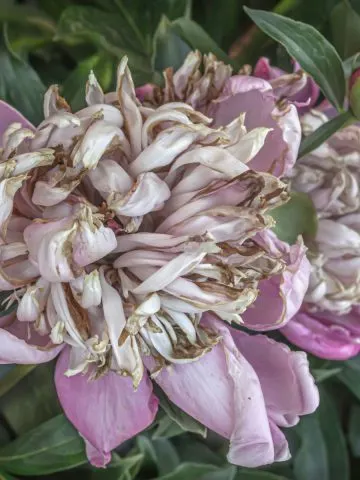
<point>324,132</point>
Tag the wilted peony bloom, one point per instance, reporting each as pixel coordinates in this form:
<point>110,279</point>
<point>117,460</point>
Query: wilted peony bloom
<point>329,322</point>
<point>121,225</point>
<point>297,87</point>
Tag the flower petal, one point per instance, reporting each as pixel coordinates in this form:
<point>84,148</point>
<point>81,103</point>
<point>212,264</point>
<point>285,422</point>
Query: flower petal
<point>8,115</point>
<point>106,411</point>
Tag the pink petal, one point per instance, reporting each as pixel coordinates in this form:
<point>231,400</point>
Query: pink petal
<point>106,411</point>
<point>281,296</point>
<point>222,391</point>
<point>96,457</point>
<point>16,350</point>
<point>288,387</point>
<point>8,115</point>
<point>320,339</point>
<point>255,97</point>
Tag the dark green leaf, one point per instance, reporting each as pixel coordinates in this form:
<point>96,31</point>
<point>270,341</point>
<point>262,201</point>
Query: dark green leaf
<point>13,377</point>
<point>110,32</point>
<point>313,52</point>
<point>321,134</point>
<point>354,430</point>
<point>27,15</point>
<point>310,463</point>
<point>251,475</point>
<point>120,468</point>
<point>224,32</point>
<point>322,453</point>
<point>345,26</point>
<point>323,374</point>
<point>296,217</point>
<point>169,49</point>
<point>19,83</point>
<point>193,34</point>
<point>350,375</point>
<point>6,476</point>
<point>184,420</point>
<point>53,446</point>
<point>334,439</point>
<point>168,459</point>
<point>167,428</point>
<point>189,471</point>
<point>34,393</point>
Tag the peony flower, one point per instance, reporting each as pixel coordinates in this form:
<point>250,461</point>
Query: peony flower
<point>128,226</point>
<point>297,87</point>
<point>329,322</point>
<point>222,96</point>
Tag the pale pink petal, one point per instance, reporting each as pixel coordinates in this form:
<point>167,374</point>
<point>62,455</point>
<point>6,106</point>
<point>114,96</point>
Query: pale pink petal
<point>17,350</point>
<point>288,387</point>
<point>281,296</point>
<point>222,391</point>
<point>96,457</point>
<point>106,411</point>
<point>8,115</point>
<point>90,245</point>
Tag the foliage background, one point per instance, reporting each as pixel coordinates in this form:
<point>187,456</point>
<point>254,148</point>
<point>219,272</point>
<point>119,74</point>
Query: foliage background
<point>59,41</point>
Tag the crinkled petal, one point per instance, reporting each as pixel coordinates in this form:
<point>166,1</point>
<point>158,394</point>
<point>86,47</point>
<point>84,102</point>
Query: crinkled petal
<point>8,115</point>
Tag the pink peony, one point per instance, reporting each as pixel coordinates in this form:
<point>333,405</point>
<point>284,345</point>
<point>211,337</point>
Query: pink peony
<point>329,322</point>
<point>131,236</point>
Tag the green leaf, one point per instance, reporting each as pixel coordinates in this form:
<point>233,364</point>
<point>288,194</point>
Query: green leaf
<point>313,52</point>
<point>13,377</point>
<point>345,27</point>
<point>19,83</point>
<point>296,217</point>
<point>224,32</point>
<point>169,49</point>
<point>27,15</point>
<point>252,475</point>
<point>193,34</point>
<point>53,446</point>
<point>350,375</point>
<point>110,32</point>
<point>168,459</point>
<point>34,393</point>
<point>333,435</point>
<point>167,428</point>
<point>322,374</point>
<point>354,430</point>
<point>184,420</point>
<point>124,468</point>
<point>322,453</point>
<point>189,471</point>
<point>321,134</point>
<point>6,476</point>
<point>351,64</point>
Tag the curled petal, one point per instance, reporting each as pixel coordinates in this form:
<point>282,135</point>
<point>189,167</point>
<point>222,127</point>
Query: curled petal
<point>8,115</point>
<point>92,244</point>
<point>321,338</point>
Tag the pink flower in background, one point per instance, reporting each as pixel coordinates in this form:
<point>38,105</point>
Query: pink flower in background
<point>297,87</point>
<point>122,226</point>
<point>329,322</point>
